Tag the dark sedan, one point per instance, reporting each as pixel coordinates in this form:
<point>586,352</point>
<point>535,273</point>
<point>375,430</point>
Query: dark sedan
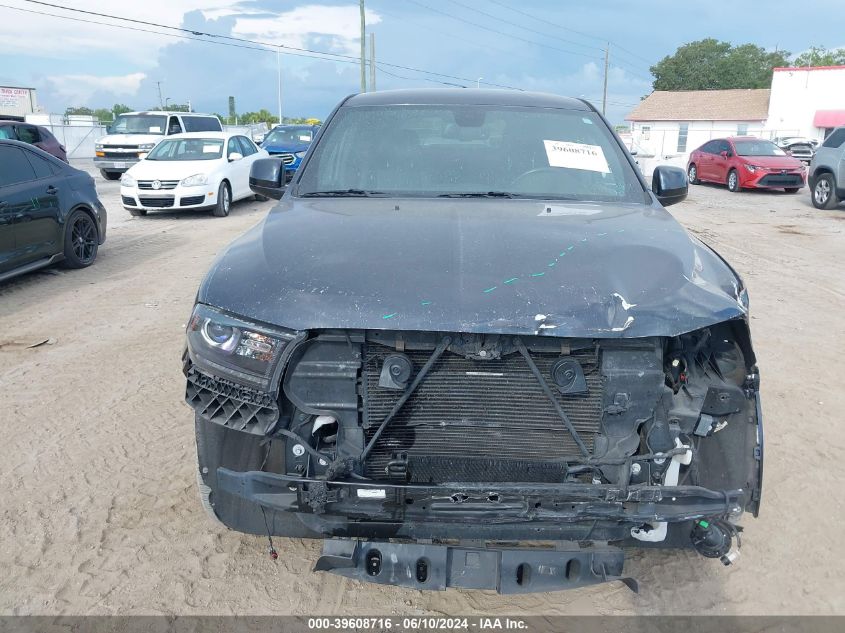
<point>49,212</point>
<point>469,322</point>
<point>36,135</point>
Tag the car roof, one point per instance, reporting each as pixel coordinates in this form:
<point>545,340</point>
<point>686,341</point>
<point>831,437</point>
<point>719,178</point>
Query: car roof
<point>466,96</point>
<point>209,134</point>
<point>165,112</point>
<point>31,148</point>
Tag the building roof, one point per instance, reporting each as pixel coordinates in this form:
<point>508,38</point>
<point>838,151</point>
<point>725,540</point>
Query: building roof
<point>806,68</point>
<point>703,105</point>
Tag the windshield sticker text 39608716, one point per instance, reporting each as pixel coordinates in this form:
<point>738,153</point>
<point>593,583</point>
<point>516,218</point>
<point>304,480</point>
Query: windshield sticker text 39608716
<point>576,156</point>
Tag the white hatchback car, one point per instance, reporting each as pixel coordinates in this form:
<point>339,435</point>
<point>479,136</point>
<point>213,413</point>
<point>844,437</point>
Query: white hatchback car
<point>196,170</point>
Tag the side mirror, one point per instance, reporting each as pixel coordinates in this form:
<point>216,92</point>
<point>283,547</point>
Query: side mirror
<point>235,156</point>
<point>724,154</point>
<point>267,177</point>
<point>669,184</point>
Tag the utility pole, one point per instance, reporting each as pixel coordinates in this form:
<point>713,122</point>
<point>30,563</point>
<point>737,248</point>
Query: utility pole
<point>363,47</point>
<point>160,102</point>
<point>373,62</point>
<point>604,94</point>
<point>279,78</point>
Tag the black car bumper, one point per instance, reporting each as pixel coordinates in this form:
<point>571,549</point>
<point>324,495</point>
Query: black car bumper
<point>506,570</point>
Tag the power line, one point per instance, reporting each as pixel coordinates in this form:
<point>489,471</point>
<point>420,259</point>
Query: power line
<point>265,46</point>
<point>566,28</point>
<point>524,28</point>
<point>492,30</point>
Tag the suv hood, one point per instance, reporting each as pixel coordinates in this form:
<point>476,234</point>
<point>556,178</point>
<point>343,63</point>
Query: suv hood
<point>467,265</point>
<point>130,139</point>
<point>773,162</point>
<point>291,148</point>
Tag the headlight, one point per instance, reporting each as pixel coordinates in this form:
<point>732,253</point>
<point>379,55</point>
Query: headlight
<point>299,154</point>
<point>98,147</point>
<point>752,168</point>
<point>126,180</point>
<point>197,180</point>
<point>146,146</point>
<point>227,346</point>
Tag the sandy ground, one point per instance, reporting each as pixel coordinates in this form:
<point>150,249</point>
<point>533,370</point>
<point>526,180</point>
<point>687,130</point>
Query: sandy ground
<point>98,506</point>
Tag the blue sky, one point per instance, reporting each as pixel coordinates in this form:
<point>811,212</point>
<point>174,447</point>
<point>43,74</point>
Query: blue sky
<point>546,45</point>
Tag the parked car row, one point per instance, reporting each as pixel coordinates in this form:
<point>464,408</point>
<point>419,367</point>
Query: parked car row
<point>134,134</point>
<point>745,162</point>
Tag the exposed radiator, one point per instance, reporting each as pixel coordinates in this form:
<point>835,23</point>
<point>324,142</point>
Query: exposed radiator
<point>497,411</point>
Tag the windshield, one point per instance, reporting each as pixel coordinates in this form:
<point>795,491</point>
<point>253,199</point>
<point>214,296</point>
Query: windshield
<point>138,124</point>
<point>460,150</point>
<point>758,148</point>
<point>188,149</point>
<point>288,136</point>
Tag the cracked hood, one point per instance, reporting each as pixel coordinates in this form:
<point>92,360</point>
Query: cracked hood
<point>566,269</point>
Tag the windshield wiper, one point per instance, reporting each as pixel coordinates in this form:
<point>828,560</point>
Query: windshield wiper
<point>341,193</point>
<point>477,194</point>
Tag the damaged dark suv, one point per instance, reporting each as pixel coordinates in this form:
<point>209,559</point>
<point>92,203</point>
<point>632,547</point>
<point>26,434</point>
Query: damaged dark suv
<point>470,348</point>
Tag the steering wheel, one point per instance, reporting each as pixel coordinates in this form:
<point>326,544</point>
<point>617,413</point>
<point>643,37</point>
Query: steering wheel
<point>541,175</point>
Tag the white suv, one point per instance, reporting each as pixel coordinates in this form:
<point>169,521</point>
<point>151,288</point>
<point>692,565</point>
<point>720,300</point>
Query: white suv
<point>134,134</point>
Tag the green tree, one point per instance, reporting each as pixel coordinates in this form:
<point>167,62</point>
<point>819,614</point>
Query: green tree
<point>79,111</point>
<point>820,56</point>
<point>121,108</point>
<point>709,64</point>
<point>262,116</point>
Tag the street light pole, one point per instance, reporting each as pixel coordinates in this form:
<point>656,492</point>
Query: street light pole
<point>363,46</point>
<point>279,77</point>
<point>604,94</point>
<point>478,82</point>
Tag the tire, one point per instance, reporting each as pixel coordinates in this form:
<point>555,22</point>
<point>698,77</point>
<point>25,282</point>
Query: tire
<point>791,189</point>
<point>692,174</point>
<point>110,175</point>
<point>824,192</point>
<point>224,200</point>
<point>259,198</point>
<point>733,181</point>
<point>136,213</point>
<point>81,240</point>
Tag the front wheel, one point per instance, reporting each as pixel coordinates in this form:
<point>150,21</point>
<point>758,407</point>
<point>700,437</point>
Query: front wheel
<point>692,175</point>
<point>110,175</point>
<point>733,181</point>
<point>224,200</point>
<point>824,192</point>
<point>81,240</point>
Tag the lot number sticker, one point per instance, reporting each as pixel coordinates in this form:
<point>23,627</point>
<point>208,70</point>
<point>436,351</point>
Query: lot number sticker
<point>576,156</point>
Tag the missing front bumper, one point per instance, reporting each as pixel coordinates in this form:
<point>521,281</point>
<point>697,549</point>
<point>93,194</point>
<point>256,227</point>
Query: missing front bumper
<point>508,571</point>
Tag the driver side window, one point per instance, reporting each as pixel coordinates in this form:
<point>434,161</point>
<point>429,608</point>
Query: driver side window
<point>174,127</point>
<point>233,146</point>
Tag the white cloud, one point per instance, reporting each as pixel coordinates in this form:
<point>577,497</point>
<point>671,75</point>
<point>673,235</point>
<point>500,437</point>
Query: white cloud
<point>337,27</point>
<point>80,88</point>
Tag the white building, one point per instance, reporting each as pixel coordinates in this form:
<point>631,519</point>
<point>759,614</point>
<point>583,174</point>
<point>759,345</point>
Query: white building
<point>670,124</point>
<point>807,101</point>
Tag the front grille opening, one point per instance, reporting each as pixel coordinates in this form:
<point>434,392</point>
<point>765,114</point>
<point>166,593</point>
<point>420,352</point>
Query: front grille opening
<point>479,420</point>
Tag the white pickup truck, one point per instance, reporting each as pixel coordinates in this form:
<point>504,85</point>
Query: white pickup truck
<point>134,134</point>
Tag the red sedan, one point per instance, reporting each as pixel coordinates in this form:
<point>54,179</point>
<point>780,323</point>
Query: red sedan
<point>745,162</point>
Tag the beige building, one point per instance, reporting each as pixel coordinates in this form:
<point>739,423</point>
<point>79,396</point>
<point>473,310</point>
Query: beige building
<point>672,123</point>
